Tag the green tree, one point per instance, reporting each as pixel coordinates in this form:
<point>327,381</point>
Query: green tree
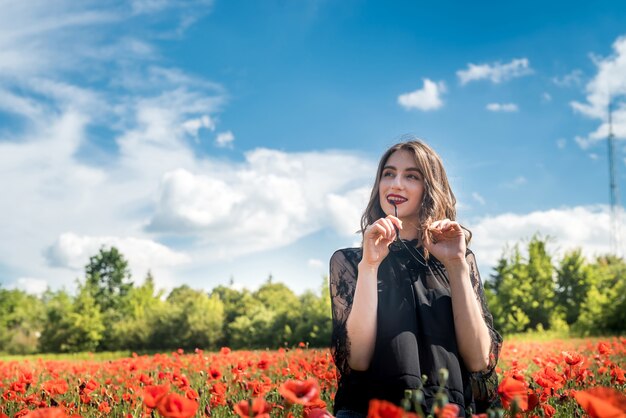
<point>108,276</point>
<point>285,306</point>
<point>604,309</point>
<point>21,320</point>
<point>314,325</point>
<point>55,331</point>
<point>254,329</point>
<point>192,319</point>
<point>72,325</point>
<point>137,311</point>
<point>236,303</point>
<point>541,276</point>
<point>522,290</point>
<point>572,284</point>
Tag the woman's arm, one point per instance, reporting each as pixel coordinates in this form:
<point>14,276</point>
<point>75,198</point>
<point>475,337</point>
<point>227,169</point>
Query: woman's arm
<point>361,323</point>
<point>472,334</point>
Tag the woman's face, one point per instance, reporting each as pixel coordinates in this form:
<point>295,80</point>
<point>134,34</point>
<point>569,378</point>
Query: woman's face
<point>402,183</point>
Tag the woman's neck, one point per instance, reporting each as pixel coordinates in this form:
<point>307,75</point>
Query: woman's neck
<point>409,232</point>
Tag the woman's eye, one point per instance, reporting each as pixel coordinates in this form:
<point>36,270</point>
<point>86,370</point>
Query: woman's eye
<point>413,176</point>
<point>387,174</point>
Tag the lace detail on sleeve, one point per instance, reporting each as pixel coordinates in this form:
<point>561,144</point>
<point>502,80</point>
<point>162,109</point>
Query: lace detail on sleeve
<point>485,382</point>
<point>342,285</point>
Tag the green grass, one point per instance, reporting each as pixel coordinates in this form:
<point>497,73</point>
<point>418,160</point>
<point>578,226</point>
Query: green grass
<point>103,356</point>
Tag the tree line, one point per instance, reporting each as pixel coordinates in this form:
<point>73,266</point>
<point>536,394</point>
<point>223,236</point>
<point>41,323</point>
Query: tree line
<point>534,291</point>
<point>110,312</point>
<point>528,290</point>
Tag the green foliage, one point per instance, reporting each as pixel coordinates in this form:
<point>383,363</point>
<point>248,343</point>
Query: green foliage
<point>108,277</point>
<point>72,325</point>
<point>603,310</point>
<point>253,330</point>
<point>21,320</point>
<point>572,284</point>
<point>132,324</point>
<point>526,293</point>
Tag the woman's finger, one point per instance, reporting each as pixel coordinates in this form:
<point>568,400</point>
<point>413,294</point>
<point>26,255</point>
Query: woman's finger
<point>396,221</point>
<point>391,232</point>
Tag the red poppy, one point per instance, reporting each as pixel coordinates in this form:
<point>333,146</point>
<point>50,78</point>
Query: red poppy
<point>214,373</point>
<point>384,409</point>
<point>511,389</point>
<point>55,387</point>
<point>152,395</point>
<point>572,358</point>
<point>260,409</point>
<point>46,413</point>
<point>601,402</point>
<point>225,350</point>
<point>548,410</point>
<point>177,406</point>
<point>450,410</point>
<point>316,404</point>
<point>300,392</point>
<point>104,407</point>
<point>604,348</point>
<point>318,413</point>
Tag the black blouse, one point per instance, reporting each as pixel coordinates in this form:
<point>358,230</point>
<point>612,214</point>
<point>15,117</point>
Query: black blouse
<point>415,333</point>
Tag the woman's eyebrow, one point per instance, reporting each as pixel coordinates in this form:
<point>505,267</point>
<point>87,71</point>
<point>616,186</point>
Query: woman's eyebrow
<point>391,167</point>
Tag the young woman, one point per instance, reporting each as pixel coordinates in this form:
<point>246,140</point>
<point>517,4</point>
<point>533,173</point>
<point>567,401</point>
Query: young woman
<point>407,306</point>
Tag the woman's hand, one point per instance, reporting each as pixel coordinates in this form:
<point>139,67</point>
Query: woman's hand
<point>445,239</point>
<point>377,238</point>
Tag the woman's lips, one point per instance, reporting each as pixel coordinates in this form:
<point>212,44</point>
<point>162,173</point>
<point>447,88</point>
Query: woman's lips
<point>395,199</point>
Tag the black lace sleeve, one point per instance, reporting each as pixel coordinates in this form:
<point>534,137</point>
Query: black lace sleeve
<point>485,382</point>
<point>343,272</point>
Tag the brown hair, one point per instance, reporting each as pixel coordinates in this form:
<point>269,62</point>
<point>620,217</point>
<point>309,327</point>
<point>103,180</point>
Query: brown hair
<point>438,201</point>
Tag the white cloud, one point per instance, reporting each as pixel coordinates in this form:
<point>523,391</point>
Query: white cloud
<point>593,156</point>
<point>587,227</point>
<point>316,264</point>
<point>574,78</point>
<point>495,72</point>
<point>478,198</point>
<point>270,200</point>
<point>193,126</point>
<point>561,142</point>
<point>150,111</point>
<point>426,98</point>
<point>30,285</point>
<point>609,82</point>
<point>502,107</point>
<point>225,139</point>
<point>546,97</point>
<point>346,210</point>
<point>516,182</point>
<point>72,251</point>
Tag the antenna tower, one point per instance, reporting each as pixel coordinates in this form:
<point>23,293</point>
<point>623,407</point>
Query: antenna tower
<point>614,191</point>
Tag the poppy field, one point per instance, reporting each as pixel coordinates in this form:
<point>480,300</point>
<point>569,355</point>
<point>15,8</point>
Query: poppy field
<point>560,378</point>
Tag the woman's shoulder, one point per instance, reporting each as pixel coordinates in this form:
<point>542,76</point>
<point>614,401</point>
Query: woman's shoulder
<point>350,255</point>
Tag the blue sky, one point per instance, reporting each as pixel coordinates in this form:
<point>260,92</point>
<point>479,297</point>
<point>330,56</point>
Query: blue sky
<point>211,140</point>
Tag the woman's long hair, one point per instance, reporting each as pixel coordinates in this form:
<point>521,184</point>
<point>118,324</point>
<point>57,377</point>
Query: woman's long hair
<point>438,201</point>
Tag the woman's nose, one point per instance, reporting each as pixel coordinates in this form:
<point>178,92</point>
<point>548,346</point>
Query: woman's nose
<point>397,182</point>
